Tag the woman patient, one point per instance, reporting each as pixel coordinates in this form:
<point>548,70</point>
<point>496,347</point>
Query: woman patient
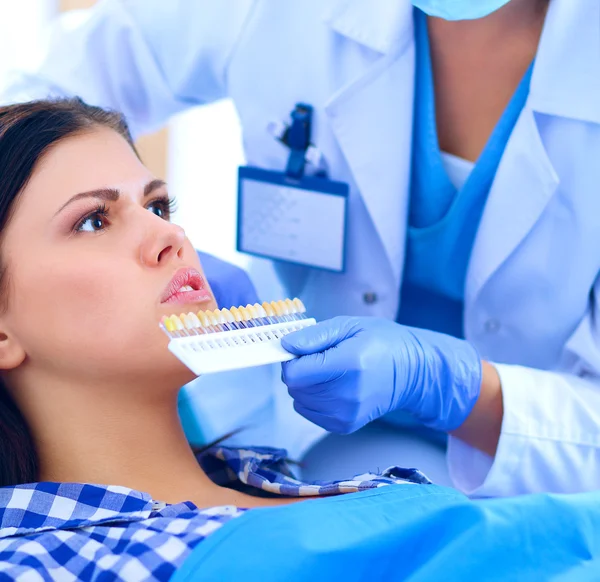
<point>89,263</point>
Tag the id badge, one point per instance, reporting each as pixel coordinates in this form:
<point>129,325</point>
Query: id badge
<point>297,220</point>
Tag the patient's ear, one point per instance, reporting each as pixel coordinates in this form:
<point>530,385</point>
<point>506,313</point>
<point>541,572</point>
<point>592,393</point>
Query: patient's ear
<point>12,353</point>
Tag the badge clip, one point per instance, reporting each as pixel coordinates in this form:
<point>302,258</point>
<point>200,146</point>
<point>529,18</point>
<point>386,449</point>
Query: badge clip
<point>297,137</point>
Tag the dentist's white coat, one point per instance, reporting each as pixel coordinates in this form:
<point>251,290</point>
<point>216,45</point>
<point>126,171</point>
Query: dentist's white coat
<point>532,287</point>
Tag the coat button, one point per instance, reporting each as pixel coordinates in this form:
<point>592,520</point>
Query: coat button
<point>491,326</point>
<point>370,298</point>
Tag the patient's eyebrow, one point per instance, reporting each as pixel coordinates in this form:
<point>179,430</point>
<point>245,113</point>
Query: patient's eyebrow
<point>111,194</point>
<point>154,185</point>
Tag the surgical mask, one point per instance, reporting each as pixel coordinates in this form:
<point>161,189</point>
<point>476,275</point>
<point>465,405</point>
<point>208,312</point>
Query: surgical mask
<point>459,9</point>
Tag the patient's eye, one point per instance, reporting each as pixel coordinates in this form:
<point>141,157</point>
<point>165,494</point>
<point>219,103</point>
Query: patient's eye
<point>94,221</point>
<point>163,207</point>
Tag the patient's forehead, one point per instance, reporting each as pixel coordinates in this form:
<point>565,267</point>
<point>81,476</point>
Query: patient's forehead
<point>98,158</point>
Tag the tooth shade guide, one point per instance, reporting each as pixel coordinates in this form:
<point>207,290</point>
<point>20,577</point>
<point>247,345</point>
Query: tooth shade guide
<point>257,319</point>
<point>261,311</point>
<point>236,314</point>
<point>239,337</point>
<point>244,314</point>
<point>268,309</point>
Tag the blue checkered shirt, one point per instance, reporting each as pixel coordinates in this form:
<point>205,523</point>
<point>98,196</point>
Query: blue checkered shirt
<point>77,531</point>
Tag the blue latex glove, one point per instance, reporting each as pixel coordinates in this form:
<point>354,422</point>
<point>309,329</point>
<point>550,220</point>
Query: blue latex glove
<point>353,370</point>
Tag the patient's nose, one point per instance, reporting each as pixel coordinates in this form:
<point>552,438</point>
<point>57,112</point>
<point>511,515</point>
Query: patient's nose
<point>162,243</point>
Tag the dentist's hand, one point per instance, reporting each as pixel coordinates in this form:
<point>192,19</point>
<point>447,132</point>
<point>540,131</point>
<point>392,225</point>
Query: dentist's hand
<point>353,370</point>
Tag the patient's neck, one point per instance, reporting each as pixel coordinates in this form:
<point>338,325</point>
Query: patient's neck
<point>127,435</point>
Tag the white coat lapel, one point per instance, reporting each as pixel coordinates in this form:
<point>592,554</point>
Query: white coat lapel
<point>565,83</point>
<point>372,116</point>
<point>524,184</point>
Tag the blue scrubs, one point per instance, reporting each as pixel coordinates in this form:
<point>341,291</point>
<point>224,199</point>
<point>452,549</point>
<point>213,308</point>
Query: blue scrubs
<point>443,221</point>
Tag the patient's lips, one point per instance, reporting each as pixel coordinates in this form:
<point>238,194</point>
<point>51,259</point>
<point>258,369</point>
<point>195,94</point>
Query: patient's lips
<point>186,286</point>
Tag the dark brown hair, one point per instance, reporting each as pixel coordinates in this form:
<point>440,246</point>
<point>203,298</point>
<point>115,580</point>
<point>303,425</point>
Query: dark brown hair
<point>27,132</point>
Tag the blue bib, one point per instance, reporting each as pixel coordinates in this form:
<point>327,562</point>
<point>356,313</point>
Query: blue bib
<point>443,222</point>
<point>414,533</point>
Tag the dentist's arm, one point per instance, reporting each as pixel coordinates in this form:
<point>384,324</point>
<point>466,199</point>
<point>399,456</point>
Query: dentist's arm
<point>482,427</point>
<point>354,370</point>
<point>514,430</point>
<point>148,59</point>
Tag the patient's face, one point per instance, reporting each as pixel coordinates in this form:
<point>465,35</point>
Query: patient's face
<point>87,275</point>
